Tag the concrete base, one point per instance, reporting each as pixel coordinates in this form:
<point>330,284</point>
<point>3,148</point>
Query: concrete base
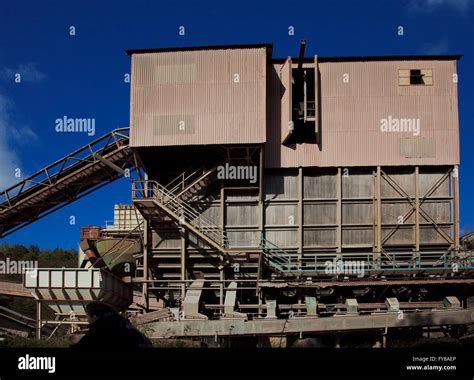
<point>230,302</point>
<point>271,309</point>
<point>451,303</point>
<point>392,304</point>
<point>296,325</point>
<point>192,301</point>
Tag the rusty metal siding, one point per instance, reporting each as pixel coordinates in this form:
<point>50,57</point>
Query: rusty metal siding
<point>351,112</point>
<point>192,97</point>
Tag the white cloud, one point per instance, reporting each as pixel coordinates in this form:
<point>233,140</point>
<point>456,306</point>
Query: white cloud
<point>23,134</point>
<point>431,5</point>
<point>28,71</point>
<point>8,158</point>
<point>439,47</point>
<point>11,133</point>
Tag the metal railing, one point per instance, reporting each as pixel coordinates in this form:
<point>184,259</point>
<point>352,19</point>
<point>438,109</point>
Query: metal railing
<point>320,263</point>
<point>75,175</point>
<point>277,257</point>
<point>179,183</point>
<point>189,179</point>
<point>331,263</point>
<point>49,174</point>
<point>182,211</point>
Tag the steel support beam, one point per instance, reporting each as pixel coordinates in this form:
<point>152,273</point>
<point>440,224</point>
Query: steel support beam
<point>339,211</point>
<point>183,261</point>
<point>378,211</point>
<point>403,193</point>
<point>146,238</point>
<point>417,210</point>
<point>222,225</point>
<point>39,321</point>
<point>300,212</point>
<point>108,163</point>
<point>455,187</point>
<point>14,289</point>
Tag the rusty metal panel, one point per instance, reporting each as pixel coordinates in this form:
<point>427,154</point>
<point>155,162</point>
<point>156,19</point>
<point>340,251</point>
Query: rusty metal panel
<point>243,238</point>
<point>281,215</point>
<point>357,213</point>
<point>440,211</point>
<point>198,97</point>
<point>316,185</point>
<point>314,237</point>
<point>402,235</point>
<point>320,213</point>
<point>428,180</point>
<point>404,180</point>
<point>394,213</point>
<point>242,215</point>
<point>429,235</point>
<point>357,185</point>
<point>282,238</point>
<point>357,97</point>
<point>357,236</point>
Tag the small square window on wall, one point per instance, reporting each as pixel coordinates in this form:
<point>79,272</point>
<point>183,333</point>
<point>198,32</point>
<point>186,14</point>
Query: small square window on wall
<point>414,77</point>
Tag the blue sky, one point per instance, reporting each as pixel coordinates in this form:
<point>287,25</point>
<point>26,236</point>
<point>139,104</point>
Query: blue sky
<point>82,75</point>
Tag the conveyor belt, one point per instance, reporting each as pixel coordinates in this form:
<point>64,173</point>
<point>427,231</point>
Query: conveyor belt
<point>73,176</point>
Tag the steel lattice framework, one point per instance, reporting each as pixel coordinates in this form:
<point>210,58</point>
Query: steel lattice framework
<point>79,173</point>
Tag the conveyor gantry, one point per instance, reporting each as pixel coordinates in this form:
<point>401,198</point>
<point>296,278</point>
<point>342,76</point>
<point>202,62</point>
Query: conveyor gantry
<point>71,177</point>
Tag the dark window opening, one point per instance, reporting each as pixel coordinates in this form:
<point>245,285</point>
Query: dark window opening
<point>416,77</point>
<point>304,107</point>
<point>410,77</point>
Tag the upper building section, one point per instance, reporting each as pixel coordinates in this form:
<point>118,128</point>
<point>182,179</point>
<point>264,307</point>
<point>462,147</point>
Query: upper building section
<point>363,111</point>
<point>198,96</point>
<point>308,111</point>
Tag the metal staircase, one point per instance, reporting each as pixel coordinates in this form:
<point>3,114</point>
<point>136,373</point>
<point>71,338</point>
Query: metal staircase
<point>148,196</point>
<point>277,259</point>
<point>73,176</point>
<point>191,182</point>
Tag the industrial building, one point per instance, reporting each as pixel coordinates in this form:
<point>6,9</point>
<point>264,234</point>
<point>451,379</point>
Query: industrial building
<point>273,197</point>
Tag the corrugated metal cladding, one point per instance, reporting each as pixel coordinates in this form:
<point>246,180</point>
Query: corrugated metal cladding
<point>198,97</point>
<point>356,97</point>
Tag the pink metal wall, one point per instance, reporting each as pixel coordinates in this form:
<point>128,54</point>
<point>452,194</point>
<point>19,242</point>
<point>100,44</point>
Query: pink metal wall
<point>198,97</point>
<point>352,111</point>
